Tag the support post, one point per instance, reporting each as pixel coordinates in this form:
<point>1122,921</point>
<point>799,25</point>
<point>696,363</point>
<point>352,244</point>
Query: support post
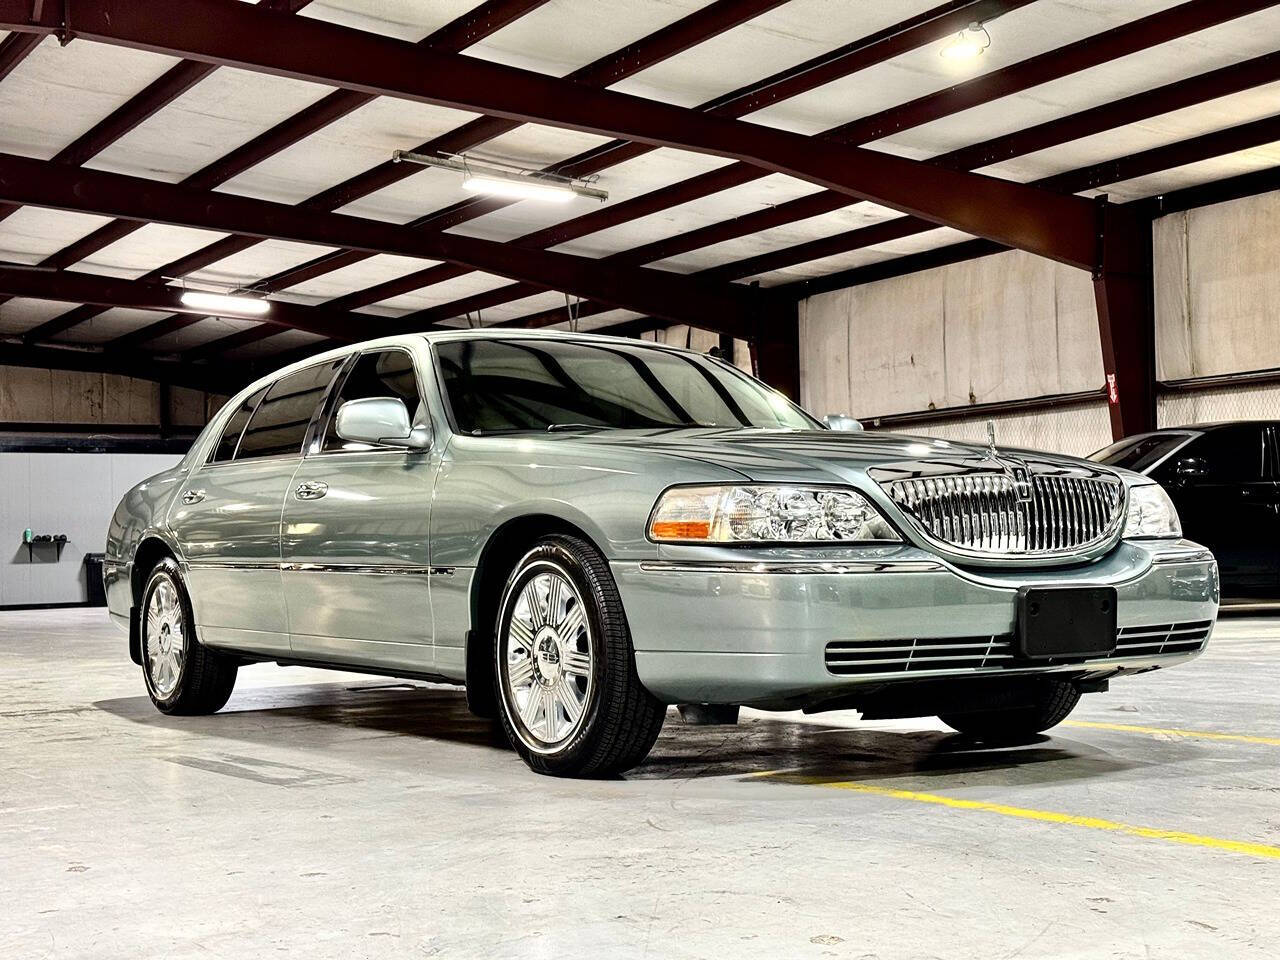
<point>1124,291</point>
<point>775,350</point>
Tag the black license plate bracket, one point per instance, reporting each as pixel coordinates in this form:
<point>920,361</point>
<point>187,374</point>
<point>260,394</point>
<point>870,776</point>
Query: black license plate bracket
<point>1057,623</point>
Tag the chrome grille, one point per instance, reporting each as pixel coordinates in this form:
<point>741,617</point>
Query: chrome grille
<point>1040,509</point>
<point>849,658</point>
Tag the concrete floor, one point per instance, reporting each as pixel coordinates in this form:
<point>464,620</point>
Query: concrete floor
<point>333,815</point>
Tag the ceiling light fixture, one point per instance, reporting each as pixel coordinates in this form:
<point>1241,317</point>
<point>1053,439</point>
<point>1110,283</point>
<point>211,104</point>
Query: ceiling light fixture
<point>499,179</point>
<point>968,43</point>
<point>224,303</point>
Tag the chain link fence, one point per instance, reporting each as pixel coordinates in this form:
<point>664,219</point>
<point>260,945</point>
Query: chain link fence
<point>1248,401</point>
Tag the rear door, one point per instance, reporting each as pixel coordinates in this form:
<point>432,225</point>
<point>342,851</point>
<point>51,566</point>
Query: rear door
<point>355,534</point>
<point>1224,486</point>
<point>227,517</point>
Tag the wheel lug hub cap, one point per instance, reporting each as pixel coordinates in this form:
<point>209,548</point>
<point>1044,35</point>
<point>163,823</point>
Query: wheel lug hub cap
<point>547,656</point>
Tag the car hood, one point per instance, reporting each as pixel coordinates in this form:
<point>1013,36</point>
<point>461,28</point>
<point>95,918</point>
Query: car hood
<point>818,456</point>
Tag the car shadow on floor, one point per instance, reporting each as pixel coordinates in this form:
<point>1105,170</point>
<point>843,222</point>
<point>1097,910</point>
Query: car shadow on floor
<point>322,713</point>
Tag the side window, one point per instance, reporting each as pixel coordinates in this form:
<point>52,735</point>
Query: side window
<point>279,425</point>
<point>1229,453</point>
<point>386,373</point>
<point>230,439</point>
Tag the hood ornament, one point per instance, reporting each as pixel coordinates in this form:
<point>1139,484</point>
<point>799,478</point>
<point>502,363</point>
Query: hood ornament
<point>1016,470</point>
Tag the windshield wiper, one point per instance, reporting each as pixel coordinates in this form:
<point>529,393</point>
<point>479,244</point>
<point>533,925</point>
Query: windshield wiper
<point>553,427</point>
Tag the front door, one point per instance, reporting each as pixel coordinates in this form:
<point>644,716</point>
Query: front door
<point>355,535</point>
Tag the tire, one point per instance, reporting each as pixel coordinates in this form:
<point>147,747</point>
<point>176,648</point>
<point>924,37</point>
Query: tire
<point>1055,699</point>
<point>564,667</point>
<point>182,675</point>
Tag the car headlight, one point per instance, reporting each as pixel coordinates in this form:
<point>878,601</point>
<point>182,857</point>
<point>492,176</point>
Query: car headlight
<point>766,513</point>
<point>1151,513</point>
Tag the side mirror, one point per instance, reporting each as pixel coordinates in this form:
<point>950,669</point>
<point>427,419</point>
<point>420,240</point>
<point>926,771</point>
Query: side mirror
<point>1190,467</point>
<point>843,422</point>
<point>381,420</point>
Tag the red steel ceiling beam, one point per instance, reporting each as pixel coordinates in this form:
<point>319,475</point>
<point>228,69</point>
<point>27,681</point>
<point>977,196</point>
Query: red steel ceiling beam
<point>162,91</point>
<point>880,46</point>
<point>75,287</point>
<point>1244,136</point>
<point>666,42</point>
<point>456,35</point>
<point>1062,228</point>
<point>1172,96</point>
<point>1170,156</point>
<point>1091,51</point>
<point>1166,157</point>
<point>14,49</point>
<point>667,295</point>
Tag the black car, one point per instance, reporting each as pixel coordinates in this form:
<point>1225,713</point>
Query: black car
<point>1224,478</point>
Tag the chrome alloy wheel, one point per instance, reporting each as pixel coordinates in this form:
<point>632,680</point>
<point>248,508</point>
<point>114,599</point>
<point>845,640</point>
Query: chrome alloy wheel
<point>547,658</point>
<point>165,646</point>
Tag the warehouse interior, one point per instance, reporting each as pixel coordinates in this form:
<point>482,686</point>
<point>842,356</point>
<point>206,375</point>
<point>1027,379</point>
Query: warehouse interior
<point>1054,222</point>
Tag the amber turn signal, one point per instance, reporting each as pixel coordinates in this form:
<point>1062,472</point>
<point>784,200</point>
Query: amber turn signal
<point>680,530</point>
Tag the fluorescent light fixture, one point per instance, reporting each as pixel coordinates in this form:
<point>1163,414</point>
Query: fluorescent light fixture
<point>223,303</point>
<point>514,182</point>
<point>968,43</point>
<point>516,188</point>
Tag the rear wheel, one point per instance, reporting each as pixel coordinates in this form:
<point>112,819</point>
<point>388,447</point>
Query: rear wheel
<point>1054,700</point>
<point>182,675</point>
<point>569,697</point>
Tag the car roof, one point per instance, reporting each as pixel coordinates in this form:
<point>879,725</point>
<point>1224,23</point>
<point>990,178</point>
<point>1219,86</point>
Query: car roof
<point>1215,425</point>
<point>461,333</point>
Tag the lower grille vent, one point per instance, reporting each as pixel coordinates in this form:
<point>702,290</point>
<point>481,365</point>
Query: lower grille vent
<point>1162,638</point>
<point>881,657</point>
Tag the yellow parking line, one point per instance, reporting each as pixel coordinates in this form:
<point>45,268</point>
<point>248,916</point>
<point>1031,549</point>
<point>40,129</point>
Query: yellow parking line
<point>1044,816</point>
<point>1161,731</point>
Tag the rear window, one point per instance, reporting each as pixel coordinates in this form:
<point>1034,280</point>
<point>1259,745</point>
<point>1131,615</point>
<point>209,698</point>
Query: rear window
<point>279,425</point>
<point>230,439</point>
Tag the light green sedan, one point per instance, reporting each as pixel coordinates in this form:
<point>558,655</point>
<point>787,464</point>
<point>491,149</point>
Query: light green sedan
<point>584,530</point>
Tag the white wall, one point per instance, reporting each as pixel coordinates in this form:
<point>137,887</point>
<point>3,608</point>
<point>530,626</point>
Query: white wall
<point>1006,327</point>
<point>71,493</point>
<point>1217,273</point>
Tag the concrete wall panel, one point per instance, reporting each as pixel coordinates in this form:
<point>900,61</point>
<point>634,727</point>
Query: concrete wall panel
<point>1218,289</point>
<point>1006,327</point>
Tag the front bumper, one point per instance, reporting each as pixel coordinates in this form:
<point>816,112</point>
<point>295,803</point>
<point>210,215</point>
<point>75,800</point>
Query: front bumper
<point>755,630</point>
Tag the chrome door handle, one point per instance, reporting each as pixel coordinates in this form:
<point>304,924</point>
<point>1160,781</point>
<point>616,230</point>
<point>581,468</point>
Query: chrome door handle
<point>311,490</point>
<point>193,496</point>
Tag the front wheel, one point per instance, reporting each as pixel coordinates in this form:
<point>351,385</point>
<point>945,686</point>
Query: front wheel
<point>182,675</point>
<point>570,700</point>
<point>1053,700</point>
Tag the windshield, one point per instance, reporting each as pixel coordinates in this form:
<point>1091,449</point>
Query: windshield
<point>1140,453</point>
<point>498,386</point>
